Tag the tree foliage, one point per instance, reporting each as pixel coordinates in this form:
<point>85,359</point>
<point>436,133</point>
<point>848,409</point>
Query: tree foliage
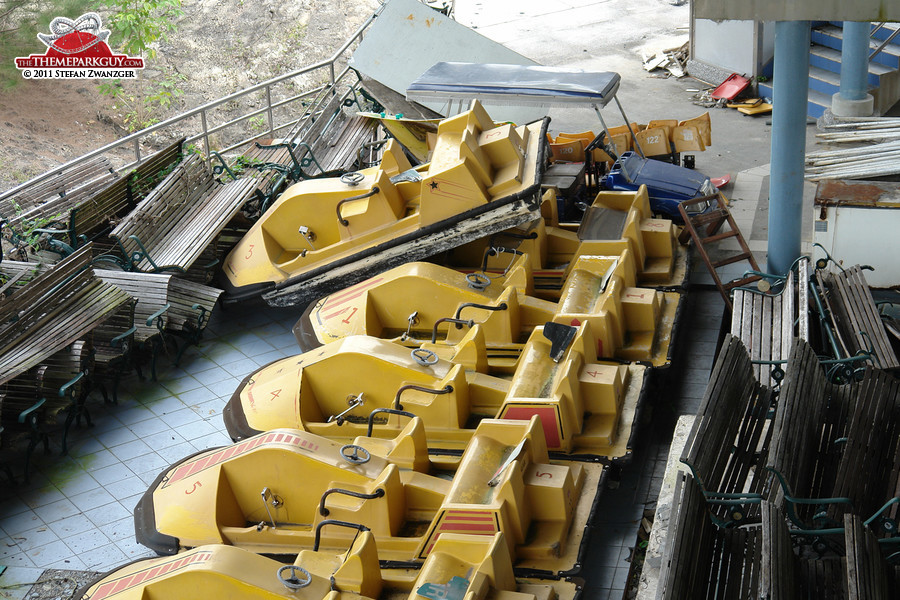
<point>138,24</point>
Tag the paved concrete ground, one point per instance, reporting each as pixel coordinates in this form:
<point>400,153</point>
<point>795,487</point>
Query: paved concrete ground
<point>76,512</point>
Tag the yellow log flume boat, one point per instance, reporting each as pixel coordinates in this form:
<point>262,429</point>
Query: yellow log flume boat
<point>324,234</point>
<point>288,490</point>
<point>460,566</point>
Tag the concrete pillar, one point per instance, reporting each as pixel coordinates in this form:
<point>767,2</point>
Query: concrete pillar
<point>791,78</point>
<point>854,100</point>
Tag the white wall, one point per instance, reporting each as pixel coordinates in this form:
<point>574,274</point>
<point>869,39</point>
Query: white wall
<point>726,44</point>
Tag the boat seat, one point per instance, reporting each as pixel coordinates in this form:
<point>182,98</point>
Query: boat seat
<point>384,514</point>
<point>456,555</point>
<point>356,571</point>
<point>408,450</point>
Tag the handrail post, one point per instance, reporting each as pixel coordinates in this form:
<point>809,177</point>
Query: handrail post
<point>205,132</point>
<point>137,150</point>
<point>269,107</point>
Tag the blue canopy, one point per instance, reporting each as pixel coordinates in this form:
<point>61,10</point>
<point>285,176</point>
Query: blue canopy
<point>513,84</point>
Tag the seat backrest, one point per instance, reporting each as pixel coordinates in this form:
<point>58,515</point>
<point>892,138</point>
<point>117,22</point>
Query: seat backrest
<point>798,420</point>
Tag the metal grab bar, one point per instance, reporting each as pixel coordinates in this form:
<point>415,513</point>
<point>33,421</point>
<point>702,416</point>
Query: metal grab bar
<point>356,526</point>
<point>444,390</point>
<point>368,194</point>
<point>469,323</point>
<point>324,511</point>
<point>501,306</point>
<point>392,411</point>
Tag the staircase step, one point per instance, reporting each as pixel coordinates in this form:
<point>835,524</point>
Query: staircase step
<point>817,101</point>
<point>829,59</point>
<point>827,82</point>
<point>832,37</point>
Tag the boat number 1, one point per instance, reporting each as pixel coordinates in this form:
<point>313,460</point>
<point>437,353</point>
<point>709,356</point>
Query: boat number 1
<point>347,320</point>
<point>249,252</point>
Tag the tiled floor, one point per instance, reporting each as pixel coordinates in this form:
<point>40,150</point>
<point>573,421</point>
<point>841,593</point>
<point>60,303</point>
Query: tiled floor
<point>76,512</point>
<point>675,392</point>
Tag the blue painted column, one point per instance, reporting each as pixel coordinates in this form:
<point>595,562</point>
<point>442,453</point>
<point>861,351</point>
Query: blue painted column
<point>853,100</point>
<point>791,77</point>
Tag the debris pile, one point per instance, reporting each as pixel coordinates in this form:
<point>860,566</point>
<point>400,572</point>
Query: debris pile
<point>673,61</point>
<point>876,150</point>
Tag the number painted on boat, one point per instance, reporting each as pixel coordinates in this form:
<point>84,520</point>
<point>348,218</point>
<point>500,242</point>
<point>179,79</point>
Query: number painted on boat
<point>641,295</point>
<point>350,316</point>
<point>249,252</point>
<point>592,373</point>
<point>276,393</point>
<point>540,474</point>
<point>197,484</point>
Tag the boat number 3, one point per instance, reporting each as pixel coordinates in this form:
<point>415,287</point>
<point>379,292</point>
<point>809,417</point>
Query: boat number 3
<point>249,252</point>
<point>539,474</point>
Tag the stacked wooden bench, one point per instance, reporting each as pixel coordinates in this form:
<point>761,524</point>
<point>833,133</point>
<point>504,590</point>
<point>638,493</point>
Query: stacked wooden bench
<point>702,561</point>
<point>88,210</point>
<point>180,219</point>
<point>57,308</point>
<point>854,316</point>
<point>768,323</point>
<point>810,416</point>
<point>27,208</point>
<point>169,310</point>
<point>92,219</point>
<point>836,448</point>
<point>45,196</point>
<point>730,435</point>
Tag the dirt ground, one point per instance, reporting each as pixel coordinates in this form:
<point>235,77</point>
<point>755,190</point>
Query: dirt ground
<point>219,47</point>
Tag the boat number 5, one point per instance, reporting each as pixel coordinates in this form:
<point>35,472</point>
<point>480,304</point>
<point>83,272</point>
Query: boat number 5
<point>539,474</point>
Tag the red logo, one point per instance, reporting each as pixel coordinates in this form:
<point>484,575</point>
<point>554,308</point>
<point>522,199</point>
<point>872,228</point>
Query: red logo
<point>78,50</point>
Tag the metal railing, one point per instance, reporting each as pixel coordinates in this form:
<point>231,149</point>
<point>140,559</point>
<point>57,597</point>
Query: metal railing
<point>884,44</point>
<point>311,100</point>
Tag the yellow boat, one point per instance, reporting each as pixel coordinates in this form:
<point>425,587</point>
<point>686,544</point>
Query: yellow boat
<point>587,406</point>
<point>289,490</point>
<point>614,222</point>
<point>424,302</point>
<point>459,565</point>
<point>323,234</point>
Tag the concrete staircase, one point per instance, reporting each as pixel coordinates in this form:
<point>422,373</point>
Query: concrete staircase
<point>825,68</point>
